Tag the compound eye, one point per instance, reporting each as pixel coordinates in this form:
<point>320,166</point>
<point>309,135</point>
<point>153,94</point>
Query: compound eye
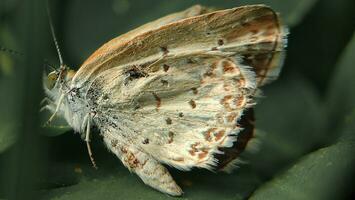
<point>51,79</point>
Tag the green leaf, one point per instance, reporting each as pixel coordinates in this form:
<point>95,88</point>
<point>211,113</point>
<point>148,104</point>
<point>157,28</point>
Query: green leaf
<point>323,174</point>
<point>55,130</point>
<point>293,119</point>
<point>292,12</point>
<point>8,136</point>
<point>8,122</point>
<point>7,40</point>
<point>6,64</point>
<point>341,95</point>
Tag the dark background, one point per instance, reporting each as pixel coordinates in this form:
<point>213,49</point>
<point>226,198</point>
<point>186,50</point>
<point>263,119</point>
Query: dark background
<point>305,125</point>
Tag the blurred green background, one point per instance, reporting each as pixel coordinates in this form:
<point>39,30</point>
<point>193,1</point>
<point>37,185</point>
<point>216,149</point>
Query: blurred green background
<point>306,125</point>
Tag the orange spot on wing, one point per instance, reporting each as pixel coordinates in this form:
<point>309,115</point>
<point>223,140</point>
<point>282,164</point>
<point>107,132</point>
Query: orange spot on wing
<point>225,99</point>
<point>194,148</point>
<point>225,102</point>
<point>228,67</point>
<point>240,101</point>
<point>208,134</point>
<point>241,82</point>
<point>219,135</point>
<point>203,154</point>
<point>192,152</point>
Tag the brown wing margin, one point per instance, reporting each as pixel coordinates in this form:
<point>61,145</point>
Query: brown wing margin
<point>244,136</point>
<point>267,64</point>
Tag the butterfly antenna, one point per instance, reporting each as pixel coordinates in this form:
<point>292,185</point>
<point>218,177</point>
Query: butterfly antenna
<point>11,51</point>
<point>54,36</point>
<point>17,53</point>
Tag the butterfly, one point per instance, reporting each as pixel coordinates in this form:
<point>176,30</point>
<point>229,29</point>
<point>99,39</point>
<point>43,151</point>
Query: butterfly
<point>177,91</point>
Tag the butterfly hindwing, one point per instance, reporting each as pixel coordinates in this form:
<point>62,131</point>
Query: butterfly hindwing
<point>180,114</point>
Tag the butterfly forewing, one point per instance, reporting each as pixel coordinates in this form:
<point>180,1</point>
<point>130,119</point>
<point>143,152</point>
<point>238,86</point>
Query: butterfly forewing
<point>226,32</point>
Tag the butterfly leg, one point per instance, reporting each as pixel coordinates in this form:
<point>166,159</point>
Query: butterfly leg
<point>56,109</point>
<point>87,140</point>
<point>46,107</point>
<point>147,168</point>
<point>49,104</point>
<point>46,100</point>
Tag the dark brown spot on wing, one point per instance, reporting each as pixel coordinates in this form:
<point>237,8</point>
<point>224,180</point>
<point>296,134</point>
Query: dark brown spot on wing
<point>164,50</point>
<point>136,107</point>
<point>105,97</point>
<point>210,72</point>
<point>254,32</point>
<point>168,120</point>
<point>192,104</point>
<point>164,82</point>
<point>194,90</point>
<point>166,67</point>
<point>114,143</point>
<point>171,137</point>
<point>220,42</point>
<point>190,61</point>
<point>157,98</point>
<point>132,161</point>
<point>181,114</point>
<point>134,73</point>
<point>146,141</point>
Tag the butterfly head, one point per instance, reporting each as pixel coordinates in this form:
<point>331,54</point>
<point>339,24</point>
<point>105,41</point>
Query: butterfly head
<point>57,77</point>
